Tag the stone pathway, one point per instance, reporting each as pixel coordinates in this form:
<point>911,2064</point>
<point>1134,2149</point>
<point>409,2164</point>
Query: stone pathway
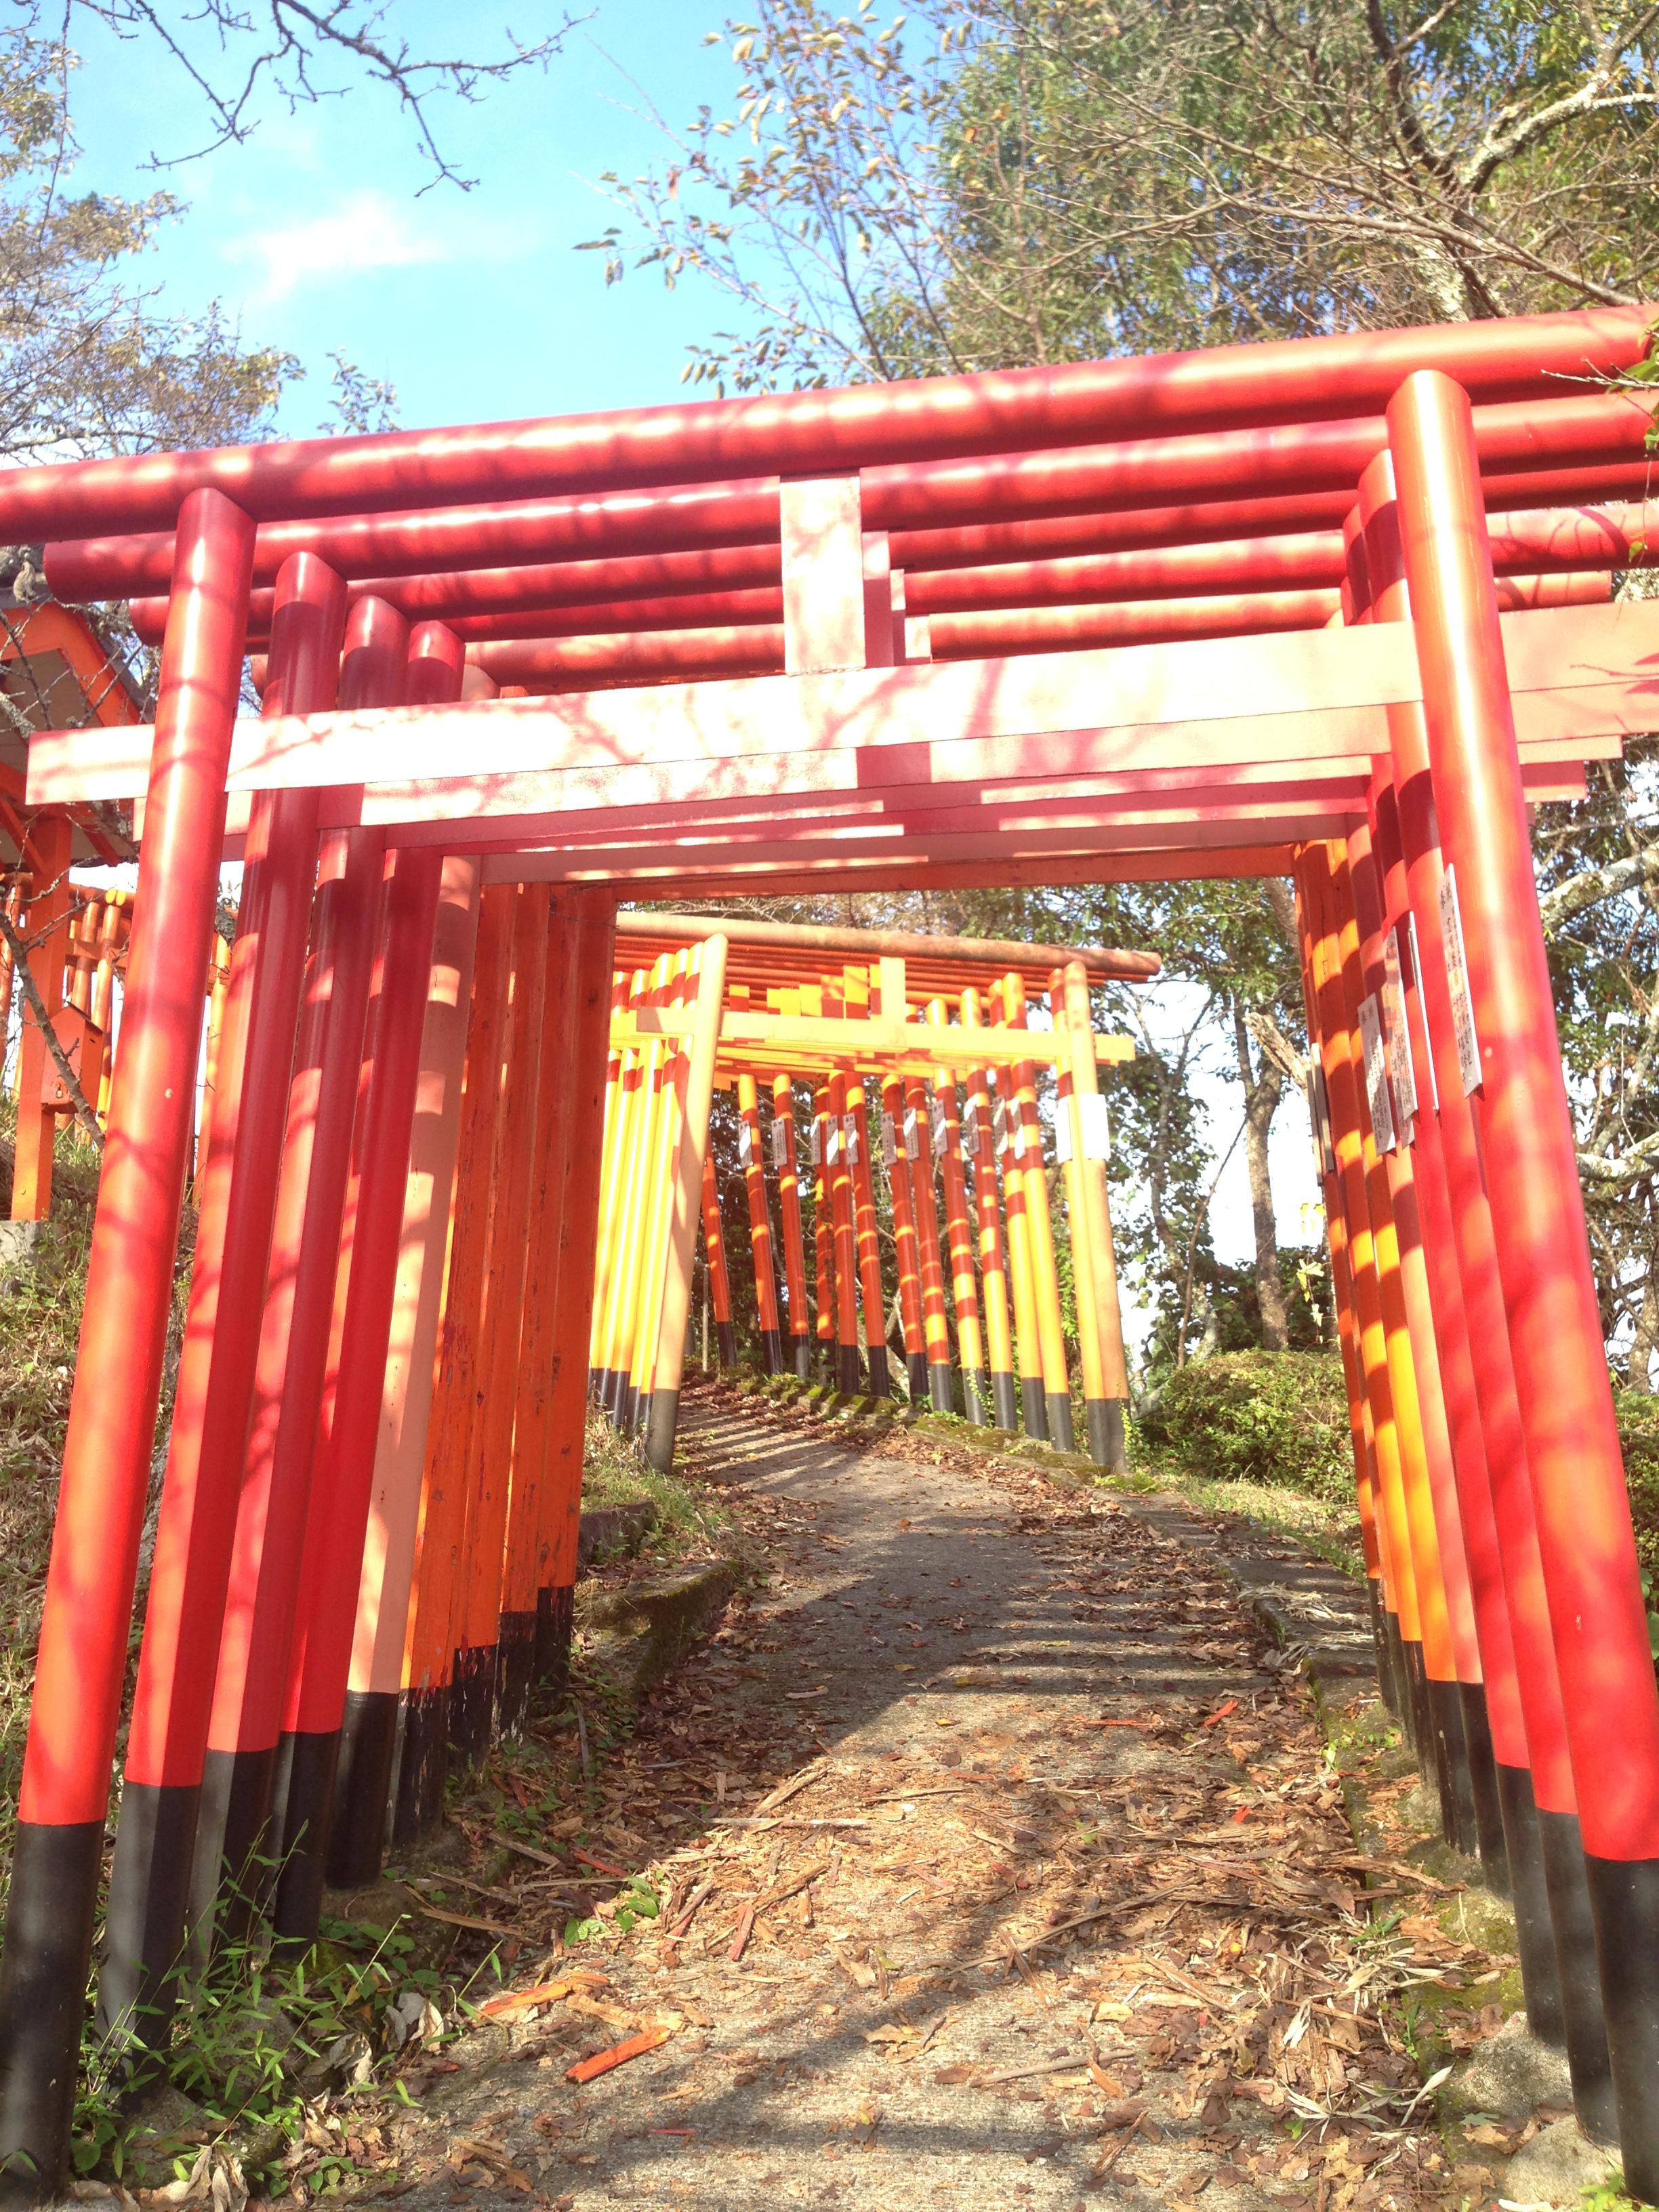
<point>1000,1865</point>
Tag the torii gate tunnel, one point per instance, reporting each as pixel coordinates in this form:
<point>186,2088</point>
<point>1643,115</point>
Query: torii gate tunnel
<point>1337,608</point>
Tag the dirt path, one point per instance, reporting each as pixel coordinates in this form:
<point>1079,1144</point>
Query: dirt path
<point>1060,1912</point>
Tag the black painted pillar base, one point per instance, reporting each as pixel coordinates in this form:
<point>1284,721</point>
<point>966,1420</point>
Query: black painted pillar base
<point>1061,1435</point>
<point>725,1336</point>
<point>235,1868</point>
<point>554,1624</point>
<point>1104,1420</point>
<point>771,1351</point>
<point>915,1374</point>
<point>309,1762</point>
<point>1567,1881</point>
<point>1379,1639</point>
<point>881,1381</point>
<point>1451,1769</point>
<point>423,1765</point>
<point>1417,1684</point>
<point>362,1788</point>
<point>661,1430</point>
<point>800,1357</point>
<point>43,1982</point>
<point>628,1412</point>
<point>610,1390</point>
<point>975,1397</point>
<point>1483,1782</point>
<point>848,1381</point>
<point>1624,1895</point>
<point>941,1395</point>
<point>515,1669</point>
<point>1034,1407</point>
<point>472,1702</point>
<point>1535,1938</point>
<point>1005,1401</point>
<point>144,1920</point>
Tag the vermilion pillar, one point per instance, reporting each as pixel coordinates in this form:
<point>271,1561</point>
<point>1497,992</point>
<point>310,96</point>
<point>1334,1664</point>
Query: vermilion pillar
<point>524,1563</point>
<point>1493,1729</point>
<point>472,1681</point>
<point>87,1608</point>
<point>1005,1132</point>
<point>714,1253</point>
<point>979,1147</point>
<point>1439,1717</point>
<point>750,1145</point>
<point>653,1249</point>
<point>936,1329</point>
<point>839,1170</point>
<point>824,1231</point>
<point>1539,1800</point>
<point>47,848</point>
<point>794,1248</point>
<point>320,1659</point>
<point>1073,1013</point>
<point>1027,1162</point>
<point>1588,1548</point>
<point>195,1533</point>
<point>686,1187</point>
<point>561,1481</point>
<point>440,1529</point>
<point>231,1845</point>
<point>907,1251</point>
<point>369,1734</point>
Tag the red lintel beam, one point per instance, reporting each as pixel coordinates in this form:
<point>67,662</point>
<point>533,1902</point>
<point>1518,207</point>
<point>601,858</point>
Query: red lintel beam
<point>543,665</point>
<point>1224,388</point>
<point>414,542</point>
<point>547,600</point>
<point>1103,963</point>
<point>522,616</point>
<point>1147,472</point>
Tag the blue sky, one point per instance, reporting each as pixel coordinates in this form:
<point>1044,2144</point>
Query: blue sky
<point>475,304</point>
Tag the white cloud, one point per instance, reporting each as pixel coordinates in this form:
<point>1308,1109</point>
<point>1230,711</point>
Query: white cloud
<point>370,231</point>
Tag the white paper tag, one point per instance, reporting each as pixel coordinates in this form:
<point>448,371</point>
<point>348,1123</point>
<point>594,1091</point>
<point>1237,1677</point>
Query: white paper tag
<point>817,1146</point>
<point>1457,976</point>
<point>1396,1037</point>
<point>970,1129</point>
<point>780,1143</point>
<point>888,1142</point>
<point>912,1148</point>
<point>850,1131</point>
<point>833,1150</point>
<point>1377,1074</point>
<point>745,1144</point>
<point>936,1119</point>
<point>1000,1121</point>
<point>1063,1132</point>
<point>1097,1127</point>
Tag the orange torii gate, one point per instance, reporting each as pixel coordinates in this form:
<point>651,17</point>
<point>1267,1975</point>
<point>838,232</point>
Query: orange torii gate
<point>533,654</point>
<point>751,1010</point>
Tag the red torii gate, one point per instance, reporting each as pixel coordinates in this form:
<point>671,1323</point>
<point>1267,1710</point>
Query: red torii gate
<point>775,710</point>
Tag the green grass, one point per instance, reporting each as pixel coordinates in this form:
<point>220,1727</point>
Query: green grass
<point>692,1522</point>
<point>1329,1530</point>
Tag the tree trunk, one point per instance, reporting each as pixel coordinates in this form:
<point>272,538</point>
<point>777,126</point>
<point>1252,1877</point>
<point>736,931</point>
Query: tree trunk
<point>1262,1092</point>
<point>1646,1340</point>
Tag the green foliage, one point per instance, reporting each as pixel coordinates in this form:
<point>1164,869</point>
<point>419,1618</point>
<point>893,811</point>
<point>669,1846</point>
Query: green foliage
<point>1268,1417</point>
<point>1639,1436</point>
<point>258,2039</point>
